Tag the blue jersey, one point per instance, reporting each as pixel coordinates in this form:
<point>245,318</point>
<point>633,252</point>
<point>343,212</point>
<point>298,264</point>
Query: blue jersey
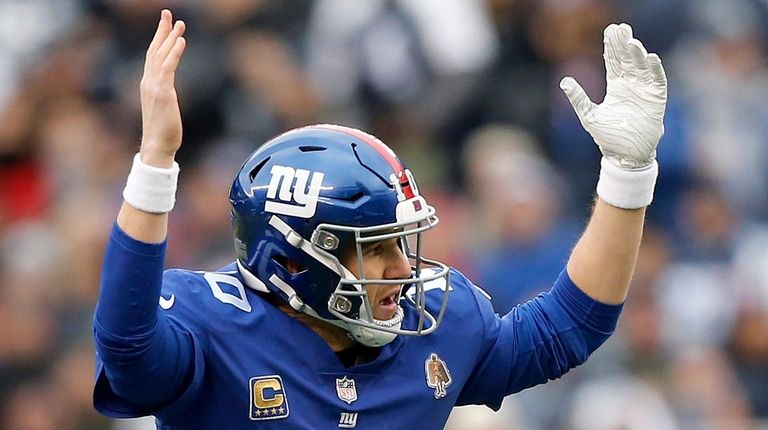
<point>217,354</point>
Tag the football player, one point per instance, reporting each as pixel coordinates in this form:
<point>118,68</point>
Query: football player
<point>330,316</point>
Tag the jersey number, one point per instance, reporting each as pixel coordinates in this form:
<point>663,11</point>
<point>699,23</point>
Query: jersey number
<point>238,300</point>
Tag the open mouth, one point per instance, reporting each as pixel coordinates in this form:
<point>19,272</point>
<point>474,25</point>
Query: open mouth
<point>389,300</point>
<point>387,305</point>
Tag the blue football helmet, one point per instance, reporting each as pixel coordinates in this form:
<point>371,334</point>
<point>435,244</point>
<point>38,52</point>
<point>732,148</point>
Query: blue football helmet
<point>315,193</point>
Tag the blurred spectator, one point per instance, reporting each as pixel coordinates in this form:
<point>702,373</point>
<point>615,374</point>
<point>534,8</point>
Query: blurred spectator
<point>204,209</point>
<point>748,348</point>
<point>270,93</point>
<point>620,403</point>
<point>706,393</point>
<point>640,336</point>
<point>568,36</point>
<point>699,292</point>
<point>30,256</point>
<point>27,30</point>
<point>722,70</point>
<point>475,417</point>
<point>398,53</point>
<point>523,241</point>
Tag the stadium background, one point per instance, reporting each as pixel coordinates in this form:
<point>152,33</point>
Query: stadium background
<point>466,91</point>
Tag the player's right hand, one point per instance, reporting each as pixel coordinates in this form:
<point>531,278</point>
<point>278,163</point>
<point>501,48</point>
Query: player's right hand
<point>160,113</point>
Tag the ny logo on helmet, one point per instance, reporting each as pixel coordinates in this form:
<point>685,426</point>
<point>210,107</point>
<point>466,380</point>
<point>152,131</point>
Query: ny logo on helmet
<point>302,200</point>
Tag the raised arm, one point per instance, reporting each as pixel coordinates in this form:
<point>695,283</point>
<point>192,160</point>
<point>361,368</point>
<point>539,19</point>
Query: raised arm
<point>151,186</point>
<point>626,126</point>
<point>144,361</point>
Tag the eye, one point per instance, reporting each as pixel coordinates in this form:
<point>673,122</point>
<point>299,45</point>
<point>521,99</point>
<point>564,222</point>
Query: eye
<point>373,249</point>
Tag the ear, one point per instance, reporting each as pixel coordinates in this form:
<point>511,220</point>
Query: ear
<point>289,265</point>
<point>294,267</point>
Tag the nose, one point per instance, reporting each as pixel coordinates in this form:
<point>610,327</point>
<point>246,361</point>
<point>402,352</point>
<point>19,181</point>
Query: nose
<point>398,266</point>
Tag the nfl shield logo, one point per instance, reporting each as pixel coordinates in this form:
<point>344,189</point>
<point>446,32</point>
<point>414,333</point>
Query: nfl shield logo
<point>345,389</point>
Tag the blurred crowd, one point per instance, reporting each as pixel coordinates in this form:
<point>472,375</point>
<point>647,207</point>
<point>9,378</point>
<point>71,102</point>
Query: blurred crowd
<point>466,91</point>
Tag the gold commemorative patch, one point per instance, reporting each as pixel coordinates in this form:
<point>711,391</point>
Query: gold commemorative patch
<point>438,375</point>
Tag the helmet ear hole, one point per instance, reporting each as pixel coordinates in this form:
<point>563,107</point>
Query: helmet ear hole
<point>311,148</point>
<point>289,265</point>
<point>257,168</point>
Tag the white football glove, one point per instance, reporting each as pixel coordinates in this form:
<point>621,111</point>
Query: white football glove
<point>628,124</point>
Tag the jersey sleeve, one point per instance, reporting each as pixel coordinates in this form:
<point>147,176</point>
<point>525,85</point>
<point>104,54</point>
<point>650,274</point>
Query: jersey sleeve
<point>147,362</point>
<point>537,341</point>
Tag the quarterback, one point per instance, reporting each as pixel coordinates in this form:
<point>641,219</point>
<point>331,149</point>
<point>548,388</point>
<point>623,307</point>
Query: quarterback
<point>329,315</point>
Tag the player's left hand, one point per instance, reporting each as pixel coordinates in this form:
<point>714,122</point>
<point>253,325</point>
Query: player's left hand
<point>628,124</point>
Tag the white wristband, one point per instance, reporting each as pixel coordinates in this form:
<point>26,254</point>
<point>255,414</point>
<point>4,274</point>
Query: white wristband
<point>151,189</point>
<point>626,189</point>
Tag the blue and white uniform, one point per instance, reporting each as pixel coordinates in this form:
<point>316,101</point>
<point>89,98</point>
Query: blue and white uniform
<point>216,354</point>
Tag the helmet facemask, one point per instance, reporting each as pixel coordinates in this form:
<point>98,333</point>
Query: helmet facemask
<point>350,301</point>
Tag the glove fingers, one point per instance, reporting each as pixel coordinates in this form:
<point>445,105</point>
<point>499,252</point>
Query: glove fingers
<point>578,98</point>
<point>621,38</point>
<point>624,33</point>
<point>638,53</point>
<point>640,59</point>
<point>657,71</point>
<point>610,54</point>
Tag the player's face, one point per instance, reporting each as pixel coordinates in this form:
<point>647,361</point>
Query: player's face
<point>382,260</point>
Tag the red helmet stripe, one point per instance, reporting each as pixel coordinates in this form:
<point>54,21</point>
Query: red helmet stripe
<point>406,187</point>
<point>375,143</point>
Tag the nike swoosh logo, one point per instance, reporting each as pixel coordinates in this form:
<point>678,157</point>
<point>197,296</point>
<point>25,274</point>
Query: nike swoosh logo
<point>167,303</point>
